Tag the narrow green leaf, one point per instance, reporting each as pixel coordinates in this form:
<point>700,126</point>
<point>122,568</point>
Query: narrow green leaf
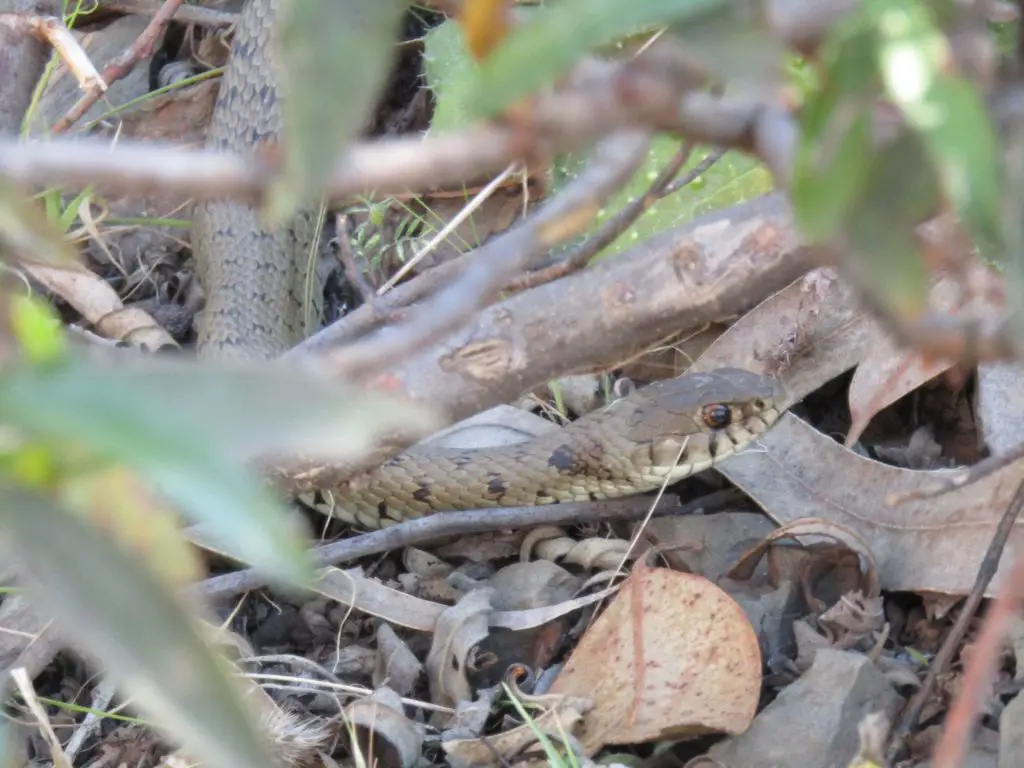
<point>914,58</point>
<point>833,155</point>
<point>114,607</point>
<point>335,56</point>
<point>540,50</point>
<point>902,192</point>
<point>185,427</point>
<point>448,68</point>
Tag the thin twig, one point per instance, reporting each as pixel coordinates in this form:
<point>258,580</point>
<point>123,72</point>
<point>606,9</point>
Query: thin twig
<point>142,48</point>
<point>348,261</point>
<point>694,173</point>
<point>443,524</point>
<point>960,720</point>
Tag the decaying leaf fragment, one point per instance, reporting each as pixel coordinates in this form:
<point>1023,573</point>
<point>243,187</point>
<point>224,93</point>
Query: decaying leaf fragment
<point>383,730</point>
<point>672,656</point>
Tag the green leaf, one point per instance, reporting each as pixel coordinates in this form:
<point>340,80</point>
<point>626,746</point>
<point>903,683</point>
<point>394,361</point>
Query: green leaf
<point>901,193</point>
<point>187,427</point>
<point>540,50</point>
<point>914,58</point>
<point>335,57</point>
<point>448,69</point>
<point>25,232</point>
<point>38,329</point>
<point>832,160</point>
<point>732,41</point>
<point>114,607</point>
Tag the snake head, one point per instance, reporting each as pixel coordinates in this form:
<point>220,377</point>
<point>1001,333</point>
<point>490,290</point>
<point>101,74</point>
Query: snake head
<point>690,423</point>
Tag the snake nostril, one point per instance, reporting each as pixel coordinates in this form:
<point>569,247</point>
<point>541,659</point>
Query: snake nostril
<point>759,404</point>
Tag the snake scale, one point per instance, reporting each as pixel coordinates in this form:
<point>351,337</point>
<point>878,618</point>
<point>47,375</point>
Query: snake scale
<point>253,278</point>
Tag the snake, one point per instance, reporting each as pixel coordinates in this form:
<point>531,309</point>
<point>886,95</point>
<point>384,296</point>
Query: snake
<point>653,437</point>
<point>253,278</point>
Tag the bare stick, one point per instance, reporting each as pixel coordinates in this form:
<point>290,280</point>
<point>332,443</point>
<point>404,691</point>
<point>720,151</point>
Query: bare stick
<point>187,14</point>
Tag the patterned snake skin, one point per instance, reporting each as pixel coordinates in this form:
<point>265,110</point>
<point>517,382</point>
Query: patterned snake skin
<point>658,434</point>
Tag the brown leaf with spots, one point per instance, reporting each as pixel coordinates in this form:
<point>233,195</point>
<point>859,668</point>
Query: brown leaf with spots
<point>673,656</point>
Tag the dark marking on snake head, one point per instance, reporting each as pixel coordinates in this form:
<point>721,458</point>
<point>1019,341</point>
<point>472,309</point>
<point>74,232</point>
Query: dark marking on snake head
<point>382,509</point>
<point>593,496</point>
<point>496,488</point>
<point>563,459</point>
<point>422,493</point>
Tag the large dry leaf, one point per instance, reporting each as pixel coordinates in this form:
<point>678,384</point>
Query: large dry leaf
<point>921,545</point>
<point>808,333</point>
<point>999,405</point>
<point>672,656</point>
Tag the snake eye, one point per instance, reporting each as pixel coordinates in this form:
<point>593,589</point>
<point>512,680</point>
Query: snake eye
<point>716,416</point>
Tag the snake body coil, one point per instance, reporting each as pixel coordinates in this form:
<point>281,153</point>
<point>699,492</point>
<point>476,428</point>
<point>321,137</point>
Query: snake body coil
<point>253,276</point>
<point>659,434</point>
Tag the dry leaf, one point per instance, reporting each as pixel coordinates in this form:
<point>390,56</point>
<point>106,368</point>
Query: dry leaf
<point>809,528</point>
<point>382,714</point>
<point>925,545</point>
<point>501,425</point>
<point>808,333</point>
<point>672,656</point>
<point>396,665</point>
<point>881,379</point>
<point>890,371</point>
<point>459,630</point>
<point>999,405</point>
